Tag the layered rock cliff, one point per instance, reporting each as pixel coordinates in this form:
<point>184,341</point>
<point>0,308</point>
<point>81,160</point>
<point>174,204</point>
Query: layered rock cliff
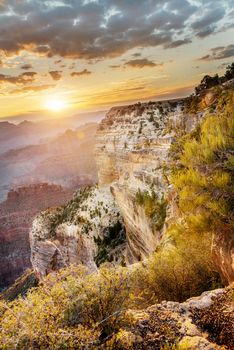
<point>89,230</point>
<point>133,194</point>
<point>132,157</point>
<point>132,145</point>
<point>16,217</point>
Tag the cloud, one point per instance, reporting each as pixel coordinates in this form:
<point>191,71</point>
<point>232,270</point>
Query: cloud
<point>219,53</point>
<point>55,74</point>
<point>114,66</point>
<point>137,54</point>
<point>35,88</point>
<point>178,43</point>
<point>22,79</point>
<point>105,28</point>
<point>137,63</point>
<point>223,65</point>
<point>82,72</point>
<point>26,66</point>
<point>141,63</point>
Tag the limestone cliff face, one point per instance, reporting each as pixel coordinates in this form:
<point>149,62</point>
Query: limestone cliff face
<point>87,231</point>
<point>131,152</point>
<point>132,145</point>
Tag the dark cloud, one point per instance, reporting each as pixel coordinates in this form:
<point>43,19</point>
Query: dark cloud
<point>55,74</point>
<point>141,63</point>
<point>177,43</point>
<point>205,32</point>
<point>104,28</point>
<point>137,54</point>
<point>22,79</point>
<point>219,53</point>
<point>206,24</point>
<point>82,72</point>
<point>26,66</point>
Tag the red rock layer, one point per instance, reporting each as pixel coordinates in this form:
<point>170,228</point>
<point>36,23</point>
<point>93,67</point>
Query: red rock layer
<point>16,216</point>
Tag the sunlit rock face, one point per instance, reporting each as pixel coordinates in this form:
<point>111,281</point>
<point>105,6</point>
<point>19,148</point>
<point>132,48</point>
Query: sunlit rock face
<point>223,255</point>
<point>87,231</point>
<point>183,323</point>
<point>132,145</point>
<point>16,217</point>
<point>124,218</point>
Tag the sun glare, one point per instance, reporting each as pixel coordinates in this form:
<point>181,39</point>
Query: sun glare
<point>55,104</point>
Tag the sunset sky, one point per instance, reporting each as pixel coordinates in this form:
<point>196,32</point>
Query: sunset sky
<point>69,56</point>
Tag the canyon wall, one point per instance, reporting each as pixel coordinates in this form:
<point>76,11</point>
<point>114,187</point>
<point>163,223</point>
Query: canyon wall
<point>133,162</point>
<point>124,218</point>
<point>16,217</point>
<point>132,145</point>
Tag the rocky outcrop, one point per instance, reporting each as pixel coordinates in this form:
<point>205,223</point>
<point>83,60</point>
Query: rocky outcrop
<point>16,217</point>
<point>187,325</point>
<point>87,231</point>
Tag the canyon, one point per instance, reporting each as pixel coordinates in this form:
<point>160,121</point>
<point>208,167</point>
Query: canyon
<point>66,159</point>
<point>16,216</point>
<point>130,214</point>
<point>111,222</point>
<point>131,153</point>
<point>36,177</point>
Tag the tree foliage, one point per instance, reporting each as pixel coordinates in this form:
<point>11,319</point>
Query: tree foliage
<point>207,82</point>
<point>205,171</point>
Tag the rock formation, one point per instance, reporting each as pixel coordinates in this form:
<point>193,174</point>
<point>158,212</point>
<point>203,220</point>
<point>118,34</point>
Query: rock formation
<point>88,231</point>
<point>131,150</point>
<point>132,145</point>
<point>16,217</point>
<point>132,157</point>
<point>190,324</point>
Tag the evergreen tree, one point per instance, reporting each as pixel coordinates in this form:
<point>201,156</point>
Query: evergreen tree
<point>205,174</point>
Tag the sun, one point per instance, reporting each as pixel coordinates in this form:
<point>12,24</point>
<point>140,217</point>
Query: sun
<point>55,104</point>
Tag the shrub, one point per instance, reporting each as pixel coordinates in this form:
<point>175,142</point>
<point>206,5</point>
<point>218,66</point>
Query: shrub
<point>73,309</point>
<point>181,270</point>
<point>69,310</point>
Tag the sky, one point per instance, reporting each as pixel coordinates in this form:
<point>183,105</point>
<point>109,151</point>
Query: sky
<point>63,57</point>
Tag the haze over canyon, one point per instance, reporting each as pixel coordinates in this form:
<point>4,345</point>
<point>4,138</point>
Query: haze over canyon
<point>116,175</point>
